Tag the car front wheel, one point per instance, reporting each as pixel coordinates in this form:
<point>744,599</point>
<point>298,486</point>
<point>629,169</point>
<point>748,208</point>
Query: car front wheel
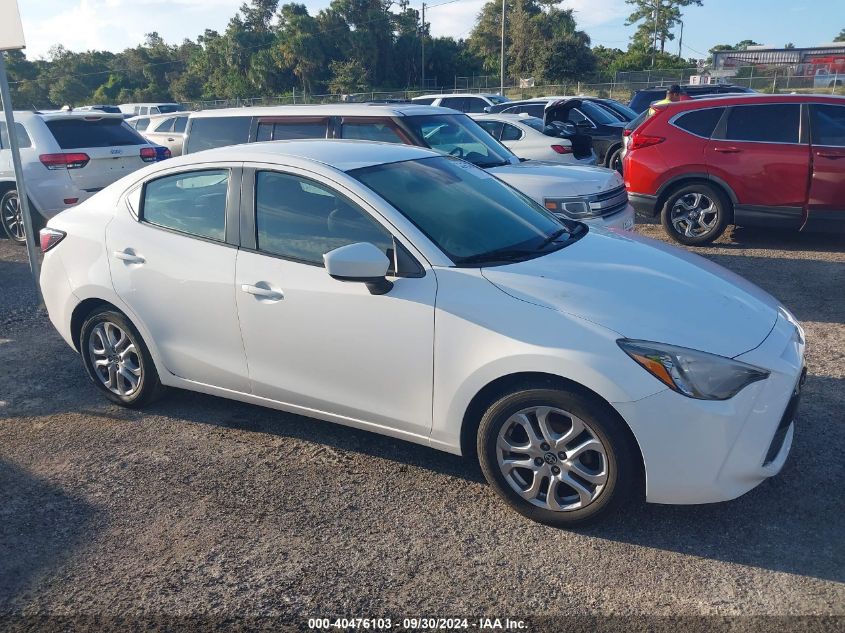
<point>117,359</point>
<point>695,214</point>
<point>556,456</point>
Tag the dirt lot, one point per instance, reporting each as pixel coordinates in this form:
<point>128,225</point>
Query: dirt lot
<point>206,507</point>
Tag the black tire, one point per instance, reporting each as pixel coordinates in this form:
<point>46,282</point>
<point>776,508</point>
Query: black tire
<point>11,220</point>
<point>619,466</point>
<point>615,160</point>
<point>713,208</point>
<point>149,387</point>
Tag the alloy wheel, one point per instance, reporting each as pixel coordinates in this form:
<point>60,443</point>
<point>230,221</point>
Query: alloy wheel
<point>115,359</point>
<point>12,218</point>
<point>552,458</point>
<point>694,215</point>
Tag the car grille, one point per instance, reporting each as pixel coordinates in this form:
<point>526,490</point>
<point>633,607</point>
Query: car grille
<point>608,202</point>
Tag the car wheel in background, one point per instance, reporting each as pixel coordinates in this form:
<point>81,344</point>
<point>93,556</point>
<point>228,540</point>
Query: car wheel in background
<point>11,218</point>
<point>556,456</point>
<point>696,214</point>
<point>615,160</point>
<point>117,359</point>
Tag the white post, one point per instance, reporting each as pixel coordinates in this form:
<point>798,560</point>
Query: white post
<point>502,53</point>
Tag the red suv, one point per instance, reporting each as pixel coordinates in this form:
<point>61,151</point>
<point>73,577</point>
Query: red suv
<point>752,160</point>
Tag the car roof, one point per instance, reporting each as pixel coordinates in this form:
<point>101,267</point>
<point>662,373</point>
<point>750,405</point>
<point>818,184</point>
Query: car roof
<point>56,115</point>
<point>340,154</point>
<point>155,117</point>
<point>458,94</point>
<point>753,98</point>
<point>348,109</point>
<point>504,116</point>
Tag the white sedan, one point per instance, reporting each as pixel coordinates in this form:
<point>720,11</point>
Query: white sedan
<point>398,290</point>
<point>526,137</point>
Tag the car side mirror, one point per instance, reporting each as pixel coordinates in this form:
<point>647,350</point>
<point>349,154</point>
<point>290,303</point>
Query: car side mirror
<point>361,262</point>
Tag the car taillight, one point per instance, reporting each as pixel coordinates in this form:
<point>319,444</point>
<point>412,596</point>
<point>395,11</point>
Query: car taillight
<point>50,237</point>
<point>562,149</point>
<point>64,161</point>
<point>627,132</point>
<point>638,141</point>
<point>148,154</point>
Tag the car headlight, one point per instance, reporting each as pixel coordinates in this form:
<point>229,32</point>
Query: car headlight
<point>570,207</point>
<point>692,373</point>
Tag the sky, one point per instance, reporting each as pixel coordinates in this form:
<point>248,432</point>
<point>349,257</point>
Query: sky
<point>117,24</point>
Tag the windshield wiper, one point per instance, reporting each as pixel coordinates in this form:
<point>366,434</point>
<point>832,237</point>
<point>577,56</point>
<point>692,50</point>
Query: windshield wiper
<point>551,238</point>
<point>504,255</point>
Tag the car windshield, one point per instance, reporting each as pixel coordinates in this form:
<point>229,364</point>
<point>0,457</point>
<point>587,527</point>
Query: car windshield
<point>458,135</point>
<point>474,218</point>
<point>498,99</point>
<point>167,109</point>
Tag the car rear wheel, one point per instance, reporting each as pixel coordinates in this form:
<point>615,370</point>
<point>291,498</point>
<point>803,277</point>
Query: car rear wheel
<point>11,218</point>
<point>117,359</point>
<point>615,160</point>
<point>555,456</point>
<point>696,214</point>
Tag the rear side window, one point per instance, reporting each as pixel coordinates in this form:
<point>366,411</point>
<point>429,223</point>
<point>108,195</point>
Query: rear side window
<point>180,124</point>
<point>166,125</point>
<point>828,125</point>
<point>456,103</point>
<point>23,138</point>
<point>370,131</point>
<point>302,220</point>
<point>78,133</point>
<point>776,123</point>
<point>424,101</point>
<point>700,122</point>
<point>494,128</point>
<point>141,124</point>
<point>192,203</point>
<point>211,132</point>
<point>289,131</point>
<point>475,104</point>
<point>511,133</point>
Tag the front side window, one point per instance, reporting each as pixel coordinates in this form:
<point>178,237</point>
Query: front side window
<point>828,125</point>
<point>371,131</point>
<point>458,135</point>
<point>450,201</point>
<point>598,114</point>
<point>192,203</point>
<point>211,132</point>
<point>476,104</point>
<point>456,103</point>
<point>700,122</point>
<point>180,124</point>
<point>291,130</point>
<point>775,123</point>
<point>302,220</point>
<point>23,138</point>
<point>511,133</point>
<point>79,133</point>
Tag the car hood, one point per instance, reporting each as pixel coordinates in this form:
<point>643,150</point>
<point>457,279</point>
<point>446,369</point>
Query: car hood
<point>645,289</point>
<point>541,179</point>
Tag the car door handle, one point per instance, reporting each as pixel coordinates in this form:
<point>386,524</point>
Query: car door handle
<point>129,258</point>
<point>831,155</point>
<point>171,139</point>
<point>263,293</point>
<point>727,150</point>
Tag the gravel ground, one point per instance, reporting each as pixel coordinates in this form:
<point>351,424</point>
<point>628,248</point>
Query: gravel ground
<point>206,508</point>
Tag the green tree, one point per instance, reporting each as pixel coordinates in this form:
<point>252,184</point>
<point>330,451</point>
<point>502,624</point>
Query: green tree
<point>666,13</point>
<point>840,37</point>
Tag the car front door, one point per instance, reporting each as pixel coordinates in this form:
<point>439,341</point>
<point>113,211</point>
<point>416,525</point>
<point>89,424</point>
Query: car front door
<point>320,344</point>
<point>826,202</point>
<point>172,254</point>
<point>758,150</point>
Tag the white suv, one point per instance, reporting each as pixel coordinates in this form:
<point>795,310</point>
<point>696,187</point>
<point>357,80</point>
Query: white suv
<point>594,195</point>
<point>67,157</point>
<point>462,102</point>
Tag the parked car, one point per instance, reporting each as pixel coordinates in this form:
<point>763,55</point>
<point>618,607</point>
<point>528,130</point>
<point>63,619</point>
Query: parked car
<point>66,158</point>
<point>529,138</point>
<point>462,102</point>
<point>167,130</point>
<point>592,194</point>
<point>619,110</point>
<point>645,97</point>
<point>589,115</point>
<point>539,344</point>
<point>111,109</point>
<point>143,109</point>
<point>752,160</point>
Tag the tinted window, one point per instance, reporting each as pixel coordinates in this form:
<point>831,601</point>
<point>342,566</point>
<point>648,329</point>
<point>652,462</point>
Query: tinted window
<point>511,133</point>
<point>207,133</point>
<point>776,123</point>
<point>23,137</point>
<point>474,104</point>
<point>498,99</point>
<point>456,103</point>
<point>424,101</point>
<point>166,125</point>
<point>193,203</point>
<point>700,122</point>
<point>78,133</point>
<point>370,131</point>
<point>493,128</point>
<point>448,200</point>
<point>460,136</point>
<point>141,124</point>
<point>598,114</point>
<point>167,109</point>
<point>828,125</point>
<point>302,220</point>
<point>179,125</point>
<point>293,130</point>
<point>534,122</point>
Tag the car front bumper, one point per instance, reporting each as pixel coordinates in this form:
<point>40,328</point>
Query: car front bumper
<point>622,220</point>
<point>704,451</point>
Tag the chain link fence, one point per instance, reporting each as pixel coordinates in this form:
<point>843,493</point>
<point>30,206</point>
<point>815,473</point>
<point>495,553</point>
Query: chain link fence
<point>775,80</point>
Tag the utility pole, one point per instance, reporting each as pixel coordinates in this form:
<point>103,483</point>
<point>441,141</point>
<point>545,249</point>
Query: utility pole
<point>681,41</point>
<point>502,54</point>
<point>654,38</point>
<point>423,46</point>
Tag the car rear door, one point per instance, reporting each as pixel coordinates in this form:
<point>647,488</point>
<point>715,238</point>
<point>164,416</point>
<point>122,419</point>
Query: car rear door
<point>826,202</point>
<point>759,151</point>
<point>108,148</point>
